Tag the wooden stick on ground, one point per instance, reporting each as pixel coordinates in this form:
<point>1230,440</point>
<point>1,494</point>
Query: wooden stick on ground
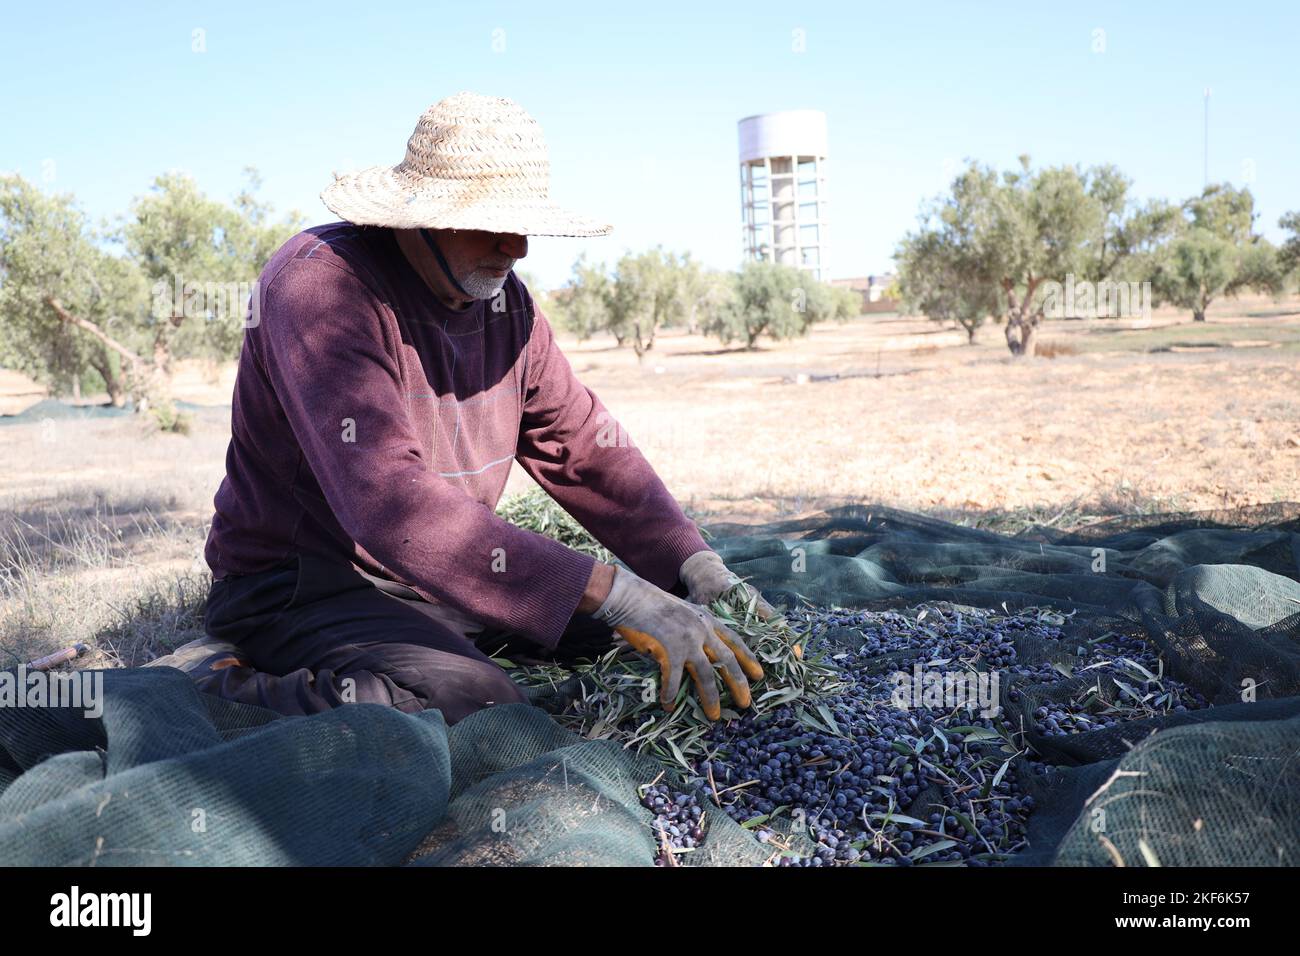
<point>57,658</point>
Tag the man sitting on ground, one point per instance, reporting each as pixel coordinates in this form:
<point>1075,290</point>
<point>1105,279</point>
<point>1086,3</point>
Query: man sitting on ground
<point>392,370</point>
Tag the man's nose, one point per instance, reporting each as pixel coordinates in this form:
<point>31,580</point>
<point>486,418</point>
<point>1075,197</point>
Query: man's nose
<point>509,244</point>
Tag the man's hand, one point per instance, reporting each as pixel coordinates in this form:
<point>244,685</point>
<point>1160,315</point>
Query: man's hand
<point>679,636</point>
<point>707,579</point>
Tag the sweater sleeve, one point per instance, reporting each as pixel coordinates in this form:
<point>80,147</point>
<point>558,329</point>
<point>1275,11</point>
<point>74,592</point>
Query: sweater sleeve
<point>571,446</point>
<point>332,361</point>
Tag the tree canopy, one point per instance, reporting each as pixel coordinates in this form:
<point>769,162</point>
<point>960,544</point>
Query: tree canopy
<point>1216,252</point>
<point>657,289</point>
<point>172,280</point>
<point>1000,245</point>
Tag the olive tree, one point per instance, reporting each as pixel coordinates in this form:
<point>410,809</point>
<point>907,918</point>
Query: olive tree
<point>1288,255</point>
<point>201,258</point>
<point>68,306</point>
<point>1217,253</point>
<point>581,305</point>
<point>172,281</point>
<point>938,278</point>
<point>705,292</point>
<point>647,294</point>
<point>777,301</point>
<point>991,246</point>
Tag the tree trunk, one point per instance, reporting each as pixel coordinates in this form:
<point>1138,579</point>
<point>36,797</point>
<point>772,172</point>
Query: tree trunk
<point>1022,335</point>
<point>151,390</point>
<point>112,383</point>
<point>146,382</point>
<point>1029,339</point>
<point>1022,325</point>
<point>66,316</point>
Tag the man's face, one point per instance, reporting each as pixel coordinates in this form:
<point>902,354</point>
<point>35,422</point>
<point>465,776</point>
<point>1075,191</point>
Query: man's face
<point>480,260</point>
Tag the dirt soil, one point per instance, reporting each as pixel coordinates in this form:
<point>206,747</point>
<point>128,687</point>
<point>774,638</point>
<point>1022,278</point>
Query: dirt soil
<point>1127,415</point>
<point>1133,416</point>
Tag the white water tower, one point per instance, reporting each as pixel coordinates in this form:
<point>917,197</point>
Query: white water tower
<point>783,188</point>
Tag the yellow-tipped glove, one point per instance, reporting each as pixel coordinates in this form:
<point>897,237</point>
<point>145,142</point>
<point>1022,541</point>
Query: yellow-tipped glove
<point>680,636</point>
<point>707,579</point>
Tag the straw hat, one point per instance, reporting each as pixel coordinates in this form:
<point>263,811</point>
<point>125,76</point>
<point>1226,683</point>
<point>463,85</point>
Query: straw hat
<point>473,162</point>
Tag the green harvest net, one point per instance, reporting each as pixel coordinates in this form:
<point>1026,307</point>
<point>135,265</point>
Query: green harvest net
<point>168,776</point>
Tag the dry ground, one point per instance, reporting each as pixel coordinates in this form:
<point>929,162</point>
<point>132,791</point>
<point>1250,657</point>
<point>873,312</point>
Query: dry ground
<point>899,411</point>
<point>101,521</point>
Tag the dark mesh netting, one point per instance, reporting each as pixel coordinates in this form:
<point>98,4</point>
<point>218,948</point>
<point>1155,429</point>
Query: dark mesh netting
<point>527,792</point>
<point>168,776</point>
<point>1155,721</point>
<point>162,779</point>
<point>1213,598</point>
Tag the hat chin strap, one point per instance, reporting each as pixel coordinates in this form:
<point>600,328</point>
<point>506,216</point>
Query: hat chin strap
<point>442,263</point>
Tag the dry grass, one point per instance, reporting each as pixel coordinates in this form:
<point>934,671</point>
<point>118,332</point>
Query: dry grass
<point>100,537</point>
<point>1051,350</point>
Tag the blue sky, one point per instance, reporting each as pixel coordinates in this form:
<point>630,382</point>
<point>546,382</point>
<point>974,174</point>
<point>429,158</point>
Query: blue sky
<point>640,102</point>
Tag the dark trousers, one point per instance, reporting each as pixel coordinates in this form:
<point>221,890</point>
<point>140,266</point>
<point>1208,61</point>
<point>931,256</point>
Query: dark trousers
<point>319,635</point>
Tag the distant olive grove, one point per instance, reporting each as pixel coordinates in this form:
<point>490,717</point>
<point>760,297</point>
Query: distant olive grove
<point>1014,246</point>
<point>109,308</point>
<point>655,290</point>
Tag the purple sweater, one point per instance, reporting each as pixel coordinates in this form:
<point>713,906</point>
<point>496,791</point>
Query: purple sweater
<point>373,425</point>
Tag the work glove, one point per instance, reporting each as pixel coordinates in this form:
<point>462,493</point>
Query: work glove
<point>679,636</point>
<point>707,579</point>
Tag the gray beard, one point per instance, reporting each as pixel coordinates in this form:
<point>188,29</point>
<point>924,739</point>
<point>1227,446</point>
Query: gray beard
<point>482,286</point>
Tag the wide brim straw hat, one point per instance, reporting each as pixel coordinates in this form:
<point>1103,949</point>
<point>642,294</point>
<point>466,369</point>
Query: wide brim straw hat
<point>473,162</point>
